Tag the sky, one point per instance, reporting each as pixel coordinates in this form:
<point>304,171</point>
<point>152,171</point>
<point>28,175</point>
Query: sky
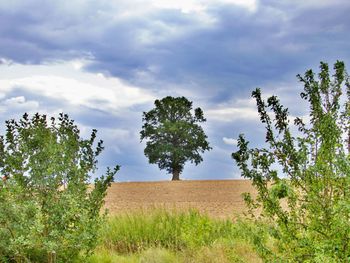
<point>105,62</point>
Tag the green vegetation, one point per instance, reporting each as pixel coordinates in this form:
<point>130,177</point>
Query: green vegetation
<point>47,209</point>
<point>164,236</point>
<point>306,200</point>
<point>173,135</point>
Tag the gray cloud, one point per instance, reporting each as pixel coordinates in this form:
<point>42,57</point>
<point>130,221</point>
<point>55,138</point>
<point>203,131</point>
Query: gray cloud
<point>241,49</point>
<point>214,56</point>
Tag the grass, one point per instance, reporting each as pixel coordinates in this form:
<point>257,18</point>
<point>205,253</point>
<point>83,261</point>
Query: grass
<point>169,236</point>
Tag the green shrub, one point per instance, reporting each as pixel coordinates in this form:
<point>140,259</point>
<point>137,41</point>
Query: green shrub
<point>46,203</point>
<point>303,181</point>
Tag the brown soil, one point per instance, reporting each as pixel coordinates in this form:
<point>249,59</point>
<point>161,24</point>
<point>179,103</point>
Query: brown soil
<point>217,198</point>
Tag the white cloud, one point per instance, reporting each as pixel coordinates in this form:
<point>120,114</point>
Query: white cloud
<point>18,103</point>
<point>231,114</point>
<point>234,110</point>
<point>199,6</point>
<point>229,141</point>
<point>15,100</point>
<point>250,102</point>
<point>250,5</point>
<point>186,6</point>
<point>78,64</point>
<point>77,88</point>
<point>5,61</point>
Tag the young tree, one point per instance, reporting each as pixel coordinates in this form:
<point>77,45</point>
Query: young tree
<point>47,205</point>
<point>307,199</point>
<point>173,134</point>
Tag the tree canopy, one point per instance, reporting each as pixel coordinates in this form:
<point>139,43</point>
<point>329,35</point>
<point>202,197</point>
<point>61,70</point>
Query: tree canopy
<point>303,180</point>
<point>173,134</point>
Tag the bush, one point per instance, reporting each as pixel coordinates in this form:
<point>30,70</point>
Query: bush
<point>306,199</point>
<point>46,204</point>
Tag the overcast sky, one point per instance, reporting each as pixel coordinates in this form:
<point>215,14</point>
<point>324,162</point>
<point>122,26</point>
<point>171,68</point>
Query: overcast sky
<point>105,62</point>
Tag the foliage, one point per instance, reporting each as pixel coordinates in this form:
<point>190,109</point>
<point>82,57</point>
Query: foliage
<point>175,236</point>
<point>46,202</point>
<point>303,181</point>
<point>173,134</point>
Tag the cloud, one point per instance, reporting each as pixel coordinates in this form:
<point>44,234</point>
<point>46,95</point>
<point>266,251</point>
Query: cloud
<point>90,90</point>
<point>105,62</point>
<point>4,61</point>
<point>195,6</point>
<point>233,114</point>
<point>216,48</point>
<point>13,101</point>
<point>234,110</point>
<point>229,141</point>
<point>18,104</point>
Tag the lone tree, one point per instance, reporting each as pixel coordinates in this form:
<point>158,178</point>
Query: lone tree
<point>306,199</point>
<point>47,206</point>
<point>173,134</point>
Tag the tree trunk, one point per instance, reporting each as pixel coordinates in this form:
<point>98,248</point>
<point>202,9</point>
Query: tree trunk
<point>176,175</point>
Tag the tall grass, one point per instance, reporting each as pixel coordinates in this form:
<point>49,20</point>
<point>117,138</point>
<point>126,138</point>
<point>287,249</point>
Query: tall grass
<point>169,236</point>
<point>161,228</point>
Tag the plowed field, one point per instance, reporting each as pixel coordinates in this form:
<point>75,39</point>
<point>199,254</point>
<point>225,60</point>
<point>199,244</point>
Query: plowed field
<point>217,198</point>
